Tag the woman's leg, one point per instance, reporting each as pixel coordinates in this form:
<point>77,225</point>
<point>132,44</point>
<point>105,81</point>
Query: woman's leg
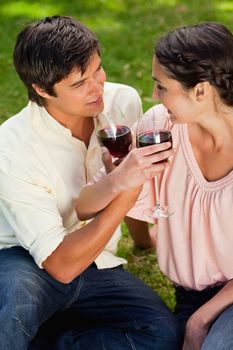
<point>220,336</point>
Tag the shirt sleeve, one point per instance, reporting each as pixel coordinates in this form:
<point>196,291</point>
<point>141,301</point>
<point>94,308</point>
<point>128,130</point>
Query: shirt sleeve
<point>145,202</point>
<point>29,206</point>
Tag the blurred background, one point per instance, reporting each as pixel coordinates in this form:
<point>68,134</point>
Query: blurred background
<point>127,30</point>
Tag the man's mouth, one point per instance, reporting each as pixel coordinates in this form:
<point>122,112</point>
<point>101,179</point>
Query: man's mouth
<point>98,100</point>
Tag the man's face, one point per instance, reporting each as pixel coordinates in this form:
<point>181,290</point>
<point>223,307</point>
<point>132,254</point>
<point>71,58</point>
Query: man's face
<point>79,95</point>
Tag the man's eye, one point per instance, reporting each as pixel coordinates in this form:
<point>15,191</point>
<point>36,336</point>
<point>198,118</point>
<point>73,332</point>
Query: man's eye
<point>80,84</point>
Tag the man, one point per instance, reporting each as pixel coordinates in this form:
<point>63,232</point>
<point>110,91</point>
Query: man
<point>51,263</point>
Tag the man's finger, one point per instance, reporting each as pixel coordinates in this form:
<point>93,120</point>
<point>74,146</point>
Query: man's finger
<point>107,160</point>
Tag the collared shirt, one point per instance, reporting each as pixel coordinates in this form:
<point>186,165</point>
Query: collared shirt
<point>194,245</point>
<point>43,168</point>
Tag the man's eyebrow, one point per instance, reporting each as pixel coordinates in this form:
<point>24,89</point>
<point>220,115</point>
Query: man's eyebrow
<point>78,82</point>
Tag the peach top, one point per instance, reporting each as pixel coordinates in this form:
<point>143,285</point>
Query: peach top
<point>195,244</point>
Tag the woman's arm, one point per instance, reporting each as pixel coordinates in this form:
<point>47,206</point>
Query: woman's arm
<point>143,237</point>
<point>198,324</point>
<point>139,166</point>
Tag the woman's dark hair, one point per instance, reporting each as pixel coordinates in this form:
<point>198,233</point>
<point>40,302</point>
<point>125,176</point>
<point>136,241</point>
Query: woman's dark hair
<point>199,53</point>
<point>49,50</point>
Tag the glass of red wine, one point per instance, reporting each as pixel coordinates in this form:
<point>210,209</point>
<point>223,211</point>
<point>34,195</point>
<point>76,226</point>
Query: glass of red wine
<point>154,129</point>
<point>113,132</point>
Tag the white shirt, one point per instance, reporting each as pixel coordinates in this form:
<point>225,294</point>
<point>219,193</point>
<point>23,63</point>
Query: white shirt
<point>43,168</point>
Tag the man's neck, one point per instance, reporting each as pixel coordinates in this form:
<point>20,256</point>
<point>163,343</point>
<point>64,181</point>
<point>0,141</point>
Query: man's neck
<point>83,129</point>
<point>80,127</point>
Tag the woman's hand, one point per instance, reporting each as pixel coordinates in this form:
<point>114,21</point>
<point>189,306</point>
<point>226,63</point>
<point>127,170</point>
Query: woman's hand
<point>196,331</point>
<point>199,323</point>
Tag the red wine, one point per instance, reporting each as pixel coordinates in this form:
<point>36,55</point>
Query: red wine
<point>149,138</point>
<point>117,142</point>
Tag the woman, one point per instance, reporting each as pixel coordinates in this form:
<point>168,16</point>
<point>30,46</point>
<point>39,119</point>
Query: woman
<point>193,72</point>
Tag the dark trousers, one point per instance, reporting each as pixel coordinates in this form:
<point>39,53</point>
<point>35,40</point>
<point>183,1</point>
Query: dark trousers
<point>106,309</point>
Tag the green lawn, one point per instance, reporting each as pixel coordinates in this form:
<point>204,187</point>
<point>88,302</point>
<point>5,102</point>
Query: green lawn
<point>127,30</point>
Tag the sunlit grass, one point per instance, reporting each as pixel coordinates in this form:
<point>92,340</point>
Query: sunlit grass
<point>33,9</point>
<point>224,6</point>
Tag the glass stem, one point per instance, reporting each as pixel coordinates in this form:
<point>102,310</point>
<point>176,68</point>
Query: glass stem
<point>157,200</point>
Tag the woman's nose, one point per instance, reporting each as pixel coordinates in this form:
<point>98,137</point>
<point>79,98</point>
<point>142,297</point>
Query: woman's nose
<point>155,94</point>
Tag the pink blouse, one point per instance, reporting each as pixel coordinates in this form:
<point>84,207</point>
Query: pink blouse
<point>195,244</point>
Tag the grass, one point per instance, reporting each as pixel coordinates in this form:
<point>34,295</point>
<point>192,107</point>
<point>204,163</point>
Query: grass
<point>127,30</point>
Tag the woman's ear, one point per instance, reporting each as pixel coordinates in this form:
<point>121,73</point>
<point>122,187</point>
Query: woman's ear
<point>40,91</point>
<point>201,91</point>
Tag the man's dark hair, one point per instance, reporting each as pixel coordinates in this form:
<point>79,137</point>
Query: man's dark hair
<point>47,51</point>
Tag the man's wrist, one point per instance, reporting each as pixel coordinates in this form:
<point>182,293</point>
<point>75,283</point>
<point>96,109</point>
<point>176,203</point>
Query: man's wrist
<point>114,183</point>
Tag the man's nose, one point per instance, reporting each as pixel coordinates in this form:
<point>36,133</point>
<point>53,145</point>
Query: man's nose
<point>98,81</point>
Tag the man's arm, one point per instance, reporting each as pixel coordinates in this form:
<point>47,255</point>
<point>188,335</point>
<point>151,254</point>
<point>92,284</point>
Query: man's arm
<point>139,166</point>
<point>80,248</point>
<point>110,201</point>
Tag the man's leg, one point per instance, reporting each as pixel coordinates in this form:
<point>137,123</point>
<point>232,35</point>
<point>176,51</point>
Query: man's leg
<point>115,310</point>
<point>28,296</point>
<point>220,336</point>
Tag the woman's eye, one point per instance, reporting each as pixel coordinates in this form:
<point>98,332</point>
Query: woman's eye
<point>160,87</point>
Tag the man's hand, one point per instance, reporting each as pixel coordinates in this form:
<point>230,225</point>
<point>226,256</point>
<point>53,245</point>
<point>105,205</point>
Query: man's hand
<point>107,160</point>
<point>139,166</point>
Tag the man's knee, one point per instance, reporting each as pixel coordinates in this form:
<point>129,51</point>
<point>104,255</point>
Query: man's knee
<point>168,332</point>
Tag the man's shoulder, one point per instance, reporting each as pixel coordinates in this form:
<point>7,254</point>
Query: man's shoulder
<point>126,98</point>
<point>116,88</point>
<point>14,130</point>
<point>14,120</point>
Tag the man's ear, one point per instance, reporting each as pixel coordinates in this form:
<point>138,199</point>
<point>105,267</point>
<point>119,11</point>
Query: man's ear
<point>40,91</point>
<point>201,91</point>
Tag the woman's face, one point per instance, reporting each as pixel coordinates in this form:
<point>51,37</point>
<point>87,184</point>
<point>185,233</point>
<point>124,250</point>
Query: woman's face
<point>181,107</point>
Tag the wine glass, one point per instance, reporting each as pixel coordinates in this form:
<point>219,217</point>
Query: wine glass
<point>154,129</point>
<point>113,132</point>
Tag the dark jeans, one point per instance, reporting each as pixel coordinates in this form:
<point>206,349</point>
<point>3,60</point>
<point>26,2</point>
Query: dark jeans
<point>220,336</point>
<point>105,309</point>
